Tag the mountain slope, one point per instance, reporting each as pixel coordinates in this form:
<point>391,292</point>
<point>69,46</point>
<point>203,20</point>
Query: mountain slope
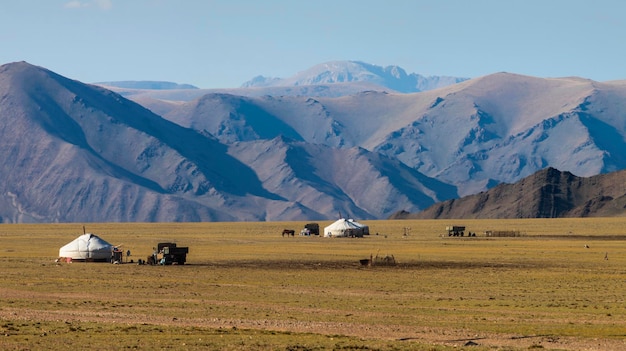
<point>324,180</point>
<point>548,193</point>
<point>78,151</point>
<point>503,127</point>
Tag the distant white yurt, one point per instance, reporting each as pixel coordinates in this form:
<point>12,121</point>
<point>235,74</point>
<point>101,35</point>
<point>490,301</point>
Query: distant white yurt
<point>342,228</point>
<point>366,228</point>
<point>87,247</point>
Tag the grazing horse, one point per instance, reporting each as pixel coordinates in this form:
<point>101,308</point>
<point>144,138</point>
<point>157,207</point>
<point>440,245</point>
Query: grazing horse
<point>289,232</point>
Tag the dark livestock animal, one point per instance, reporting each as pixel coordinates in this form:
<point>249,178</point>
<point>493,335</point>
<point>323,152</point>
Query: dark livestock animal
<point>289,232</point>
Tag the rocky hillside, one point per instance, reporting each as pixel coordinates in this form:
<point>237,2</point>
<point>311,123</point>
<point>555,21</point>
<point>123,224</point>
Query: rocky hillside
<point>548,193</point>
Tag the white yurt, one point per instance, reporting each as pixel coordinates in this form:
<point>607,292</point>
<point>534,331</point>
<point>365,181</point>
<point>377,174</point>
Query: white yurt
<point>342,228</point>
<point>87,247</point>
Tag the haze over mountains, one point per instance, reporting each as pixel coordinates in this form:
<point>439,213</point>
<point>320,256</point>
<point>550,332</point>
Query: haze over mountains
<point>79,152</point>
<point>150,85</point>
<point>330,79</point>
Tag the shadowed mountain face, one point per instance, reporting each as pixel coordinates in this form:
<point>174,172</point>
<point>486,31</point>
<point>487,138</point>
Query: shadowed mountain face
<point>326,180</point>
<point>76,152</point>
<point>88,147</point>
<point>548,193</point>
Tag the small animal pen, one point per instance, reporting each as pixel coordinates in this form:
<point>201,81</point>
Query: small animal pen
<point>387,260</point>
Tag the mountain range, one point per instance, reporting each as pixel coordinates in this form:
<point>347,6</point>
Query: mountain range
<point>473,135</point>
<point>81,152</point>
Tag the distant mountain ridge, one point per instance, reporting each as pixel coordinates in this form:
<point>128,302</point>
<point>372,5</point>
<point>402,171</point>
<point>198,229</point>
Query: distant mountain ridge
<point>391,77</point>
<point>331,79</point>
<point>549,193</point>
<point>147,84</point>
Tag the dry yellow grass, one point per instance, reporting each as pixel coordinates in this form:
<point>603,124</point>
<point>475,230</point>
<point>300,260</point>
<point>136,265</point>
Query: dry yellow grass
<point>247,287</point>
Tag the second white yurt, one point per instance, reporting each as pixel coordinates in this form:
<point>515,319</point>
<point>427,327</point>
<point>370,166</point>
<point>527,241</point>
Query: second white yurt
<point>342,228</point>
<point>87,247</point>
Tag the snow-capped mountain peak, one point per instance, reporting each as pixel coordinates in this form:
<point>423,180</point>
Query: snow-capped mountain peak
<point>338,72</point>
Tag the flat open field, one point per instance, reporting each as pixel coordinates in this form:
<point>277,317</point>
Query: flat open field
<point>562,285</point>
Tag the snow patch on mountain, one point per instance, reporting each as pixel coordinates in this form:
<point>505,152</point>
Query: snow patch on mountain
<point>334,72</point>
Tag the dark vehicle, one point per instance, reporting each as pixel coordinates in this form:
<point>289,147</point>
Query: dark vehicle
<point>169,253</point>
<point>314,228</point>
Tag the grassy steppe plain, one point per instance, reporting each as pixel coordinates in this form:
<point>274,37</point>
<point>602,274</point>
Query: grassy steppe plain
<point>246,287</point>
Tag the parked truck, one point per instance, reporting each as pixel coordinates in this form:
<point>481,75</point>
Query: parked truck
<point>168,253</point>
<point>313,228</point>
<point>456,230</point>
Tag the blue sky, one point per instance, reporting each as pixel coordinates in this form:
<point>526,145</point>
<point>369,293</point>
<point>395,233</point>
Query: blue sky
<point>223,43</point>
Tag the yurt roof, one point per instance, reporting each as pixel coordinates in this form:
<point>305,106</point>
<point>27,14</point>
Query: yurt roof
<point>341,223</point>
<point>86,246</point>
<point>357,223</point>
